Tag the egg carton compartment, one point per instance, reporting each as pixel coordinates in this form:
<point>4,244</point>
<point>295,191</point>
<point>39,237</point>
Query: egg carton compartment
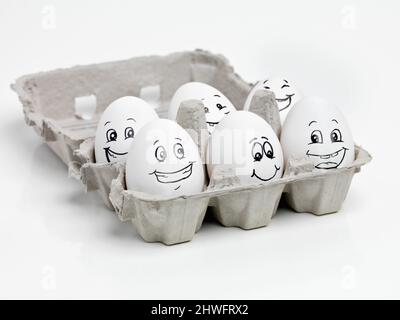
<point>52,101</point>
<point>173,220</point>
<point>321,192</point>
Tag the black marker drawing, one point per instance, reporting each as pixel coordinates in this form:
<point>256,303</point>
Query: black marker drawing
<point>179,151</point>
<point>258,151</point>
<point>331,160</point>
<point>112,136</point>
<point>212,124</point>
<point>174,176</point>
<point>111,153</point>
<point>160,153</point>
<point>287,98</point>
<point>265,86</point>
<point>266,179</point>
<point>215,111</point>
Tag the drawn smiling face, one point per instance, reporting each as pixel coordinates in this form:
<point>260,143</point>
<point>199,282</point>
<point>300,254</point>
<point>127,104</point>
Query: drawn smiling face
<point>216,107</point>
<point>286,95</point>
<point>118,127</point>
<point>115,142</point>
<point>245,145</point>
<point>164,159</point>
<point>318,131</point>
<point>263,154</point>
<point>326,160</point>
<point>184,170</point>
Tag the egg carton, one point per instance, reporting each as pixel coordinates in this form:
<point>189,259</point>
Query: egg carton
<point>49,98</point>
<point>174,220</point>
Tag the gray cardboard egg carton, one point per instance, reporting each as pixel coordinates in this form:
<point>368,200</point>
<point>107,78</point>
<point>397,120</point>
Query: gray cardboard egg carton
<point>48,101</point>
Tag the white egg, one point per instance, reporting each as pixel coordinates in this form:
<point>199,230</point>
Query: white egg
<point>286,94</point>
<point>118,126</point>
<point>245,145</point>
<point>216,105</point>
<point>164,160</point>
<point>317,130</point>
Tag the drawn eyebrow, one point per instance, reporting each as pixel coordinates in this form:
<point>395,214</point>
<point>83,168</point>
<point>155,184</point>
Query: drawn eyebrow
<point>217,95</point>
<point>107,123</point>
<point>179,139</point>
<point>131,119</point>
<point>266,81</point>
<point>264,138</point>
<point>155,142</point>
<point>285,80</point>
<point>252,140</point>
<point>312,122</point>
<point>334,120</point>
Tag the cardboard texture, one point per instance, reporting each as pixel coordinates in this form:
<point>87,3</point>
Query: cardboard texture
<point>48,100</point>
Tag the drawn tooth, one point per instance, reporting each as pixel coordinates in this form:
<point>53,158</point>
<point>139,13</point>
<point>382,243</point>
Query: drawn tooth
<point>334,154</point>
<point>325,156</point>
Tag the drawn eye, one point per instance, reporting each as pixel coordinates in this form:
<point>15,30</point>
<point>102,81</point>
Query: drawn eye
<point>206,110</point>
<point>316,137</point>
<point>268,150</point>
<point>129,133</point>
<point>257,151</point>
<point>111,135</point>
<point>220,106</point>
<point>178,151</point>
<point>161,154</point>
<point>336,136</point>
<point>267,88</point>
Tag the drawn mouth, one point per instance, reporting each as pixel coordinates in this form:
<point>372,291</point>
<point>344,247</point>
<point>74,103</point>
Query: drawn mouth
<point>288,99</point>
<point>267,179</point>
<point>329,164</point>
<point>212,124</point>
<point>174,176</point>
<point>113,154</point>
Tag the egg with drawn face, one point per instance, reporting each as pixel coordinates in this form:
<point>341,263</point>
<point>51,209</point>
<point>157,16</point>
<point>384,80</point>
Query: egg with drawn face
<point>286,94</point>
<point>245,145</point>
<point>118,127</point>
<point>317,130</point>
<point>216,105</point>
<point>164,160</point>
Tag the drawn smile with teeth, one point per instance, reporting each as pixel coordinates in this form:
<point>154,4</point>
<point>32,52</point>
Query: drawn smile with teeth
<point>110,153</point>
<point>174,176</point>
<point>212,124</point>
<point>334,159</point>
<point>288,98</point>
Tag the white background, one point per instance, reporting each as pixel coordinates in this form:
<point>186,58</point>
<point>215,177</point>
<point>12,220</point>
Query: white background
<point>57,242</point>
